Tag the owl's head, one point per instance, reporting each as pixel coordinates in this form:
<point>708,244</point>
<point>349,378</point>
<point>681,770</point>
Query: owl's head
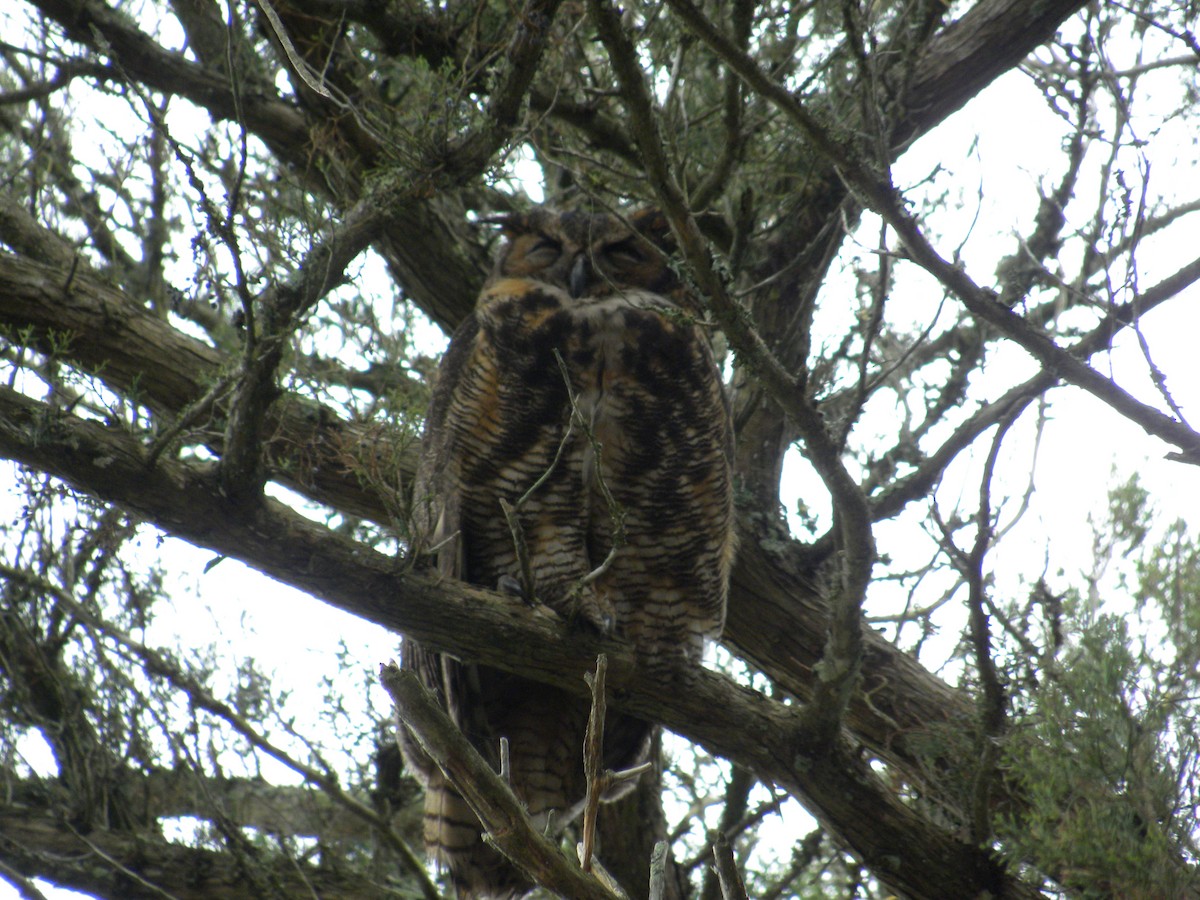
<point>587,254</point>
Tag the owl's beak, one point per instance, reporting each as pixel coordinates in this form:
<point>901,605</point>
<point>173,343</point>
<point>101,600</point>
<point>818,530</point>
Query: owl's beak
<point>581,275</point>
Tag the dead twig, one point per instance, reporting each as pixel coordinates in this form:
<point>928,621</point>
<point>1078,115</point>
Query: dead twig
<point>732,887</point>
<point>599,782</point>
<point>506,824</point>
<point>658,871</point>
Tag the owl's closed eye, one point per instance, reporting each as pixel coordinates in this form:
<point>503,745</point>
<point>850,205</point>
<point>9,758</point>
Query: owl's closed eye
<point>587,254</point>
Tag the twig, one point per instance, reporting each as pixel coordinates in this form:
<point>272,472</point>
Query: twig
<point>616,513</point>
<point>505,762</point>
<point>732,887</point>
<point>25,886</point>
<point>299,66</point>
<point>602,875</point>
<point>593,749</point>
<point>658,871</point>
<point>499,811</point>
<point>599,782</point>
<point>737,795</point>
<point>133,876</point>
<point>188,417</point>
<point>520,546</point>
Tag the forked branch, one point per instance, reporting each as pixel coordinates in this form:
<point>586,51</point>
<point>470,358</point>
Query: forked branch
<point>507,824</point>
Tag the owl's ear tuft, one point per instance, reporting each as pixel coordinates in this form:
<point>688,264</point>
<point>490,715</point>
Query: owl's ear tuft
<point>511,224</point>
<point>650,223</point>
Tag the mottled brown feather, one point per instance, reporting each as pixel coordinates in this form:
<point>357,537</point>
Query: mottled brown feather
<point>597,293</point>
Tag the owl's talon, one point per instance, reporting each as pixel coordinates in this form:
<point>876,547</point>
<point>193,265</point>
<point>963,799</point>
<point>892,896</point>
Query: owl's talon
<point>597,612</point>
<point>511,585</point>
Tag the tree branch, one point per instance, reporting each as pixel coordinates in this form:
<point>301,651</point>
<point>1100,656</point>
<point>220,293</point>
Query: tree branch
<point>78,319</point>
<point>841,661</point>
<point>284,810</point>
<point>38,844</point>
<point>474,151</point>
<point>491,799</point>
<point>988,40</point>
<point>729,720</point>
<point>776,618</point>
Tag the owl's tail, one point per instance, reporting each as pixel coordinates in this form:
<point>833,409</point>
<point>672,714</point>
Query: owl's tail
<point>453,838</point>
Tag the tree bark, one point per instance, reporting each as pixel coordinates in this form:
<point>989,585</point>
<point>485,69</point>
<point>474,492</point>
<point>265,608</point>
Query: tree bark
<point>903,849</point>
<point>776,620</point>
<point>129,867</point>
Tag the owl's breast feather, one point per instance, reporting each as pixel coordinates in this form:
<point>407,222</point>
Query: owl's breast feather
<point>616,342</point>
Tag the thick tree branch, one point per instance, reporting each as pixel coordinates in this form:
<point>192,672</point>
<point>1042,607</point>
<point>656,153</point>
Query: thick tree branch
<point>284,810</point>
<point>776,618</point>
<point>75,318</point>
<point>967,55</point>
<point>121,867</point>
<point>732,721</point>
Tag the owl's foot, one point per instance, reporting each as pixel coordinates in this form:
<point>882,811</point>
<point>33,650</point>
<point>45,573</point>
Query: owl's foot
<point>594,609</point>
<point>575,604</point>
<point>581,605</point>
<point>511,585</point>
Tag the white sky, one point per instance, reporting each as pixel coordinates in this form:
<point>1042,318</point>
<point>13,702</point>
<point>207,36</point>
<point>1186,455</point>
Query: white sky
<point>1084,442</point>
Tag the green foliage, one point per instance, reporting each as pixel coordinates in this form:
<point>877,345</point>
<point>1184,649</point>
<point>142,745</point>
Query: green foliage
<point>200,157</point>
<point>1105,756</point>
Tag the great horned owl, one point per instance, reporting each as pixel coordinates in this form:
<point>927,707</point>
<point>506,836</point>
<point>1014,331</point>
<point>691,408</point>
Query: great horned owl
<point>582,394</point>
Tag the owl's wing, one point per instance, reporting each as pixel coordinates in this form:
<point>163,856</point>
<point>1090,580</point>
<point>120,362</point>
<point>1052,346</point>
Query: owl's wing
<point>450,828</point>
<point>436,520</point>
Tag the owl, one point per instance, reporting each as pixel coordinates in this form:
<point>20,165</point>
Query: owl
<point>582,396</point>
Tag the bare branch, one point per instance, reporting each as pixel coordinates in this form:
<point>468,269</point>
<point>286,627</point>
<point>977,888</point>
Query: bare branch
<point>840,665</point>
<point>878,194</point>
<point>732,887</point>
<point>500,812</point>
<point>730,720</point>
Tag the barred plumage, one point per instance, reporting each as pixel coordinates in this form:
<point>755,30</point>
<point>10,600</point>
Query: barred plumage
<point>581,366</point>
